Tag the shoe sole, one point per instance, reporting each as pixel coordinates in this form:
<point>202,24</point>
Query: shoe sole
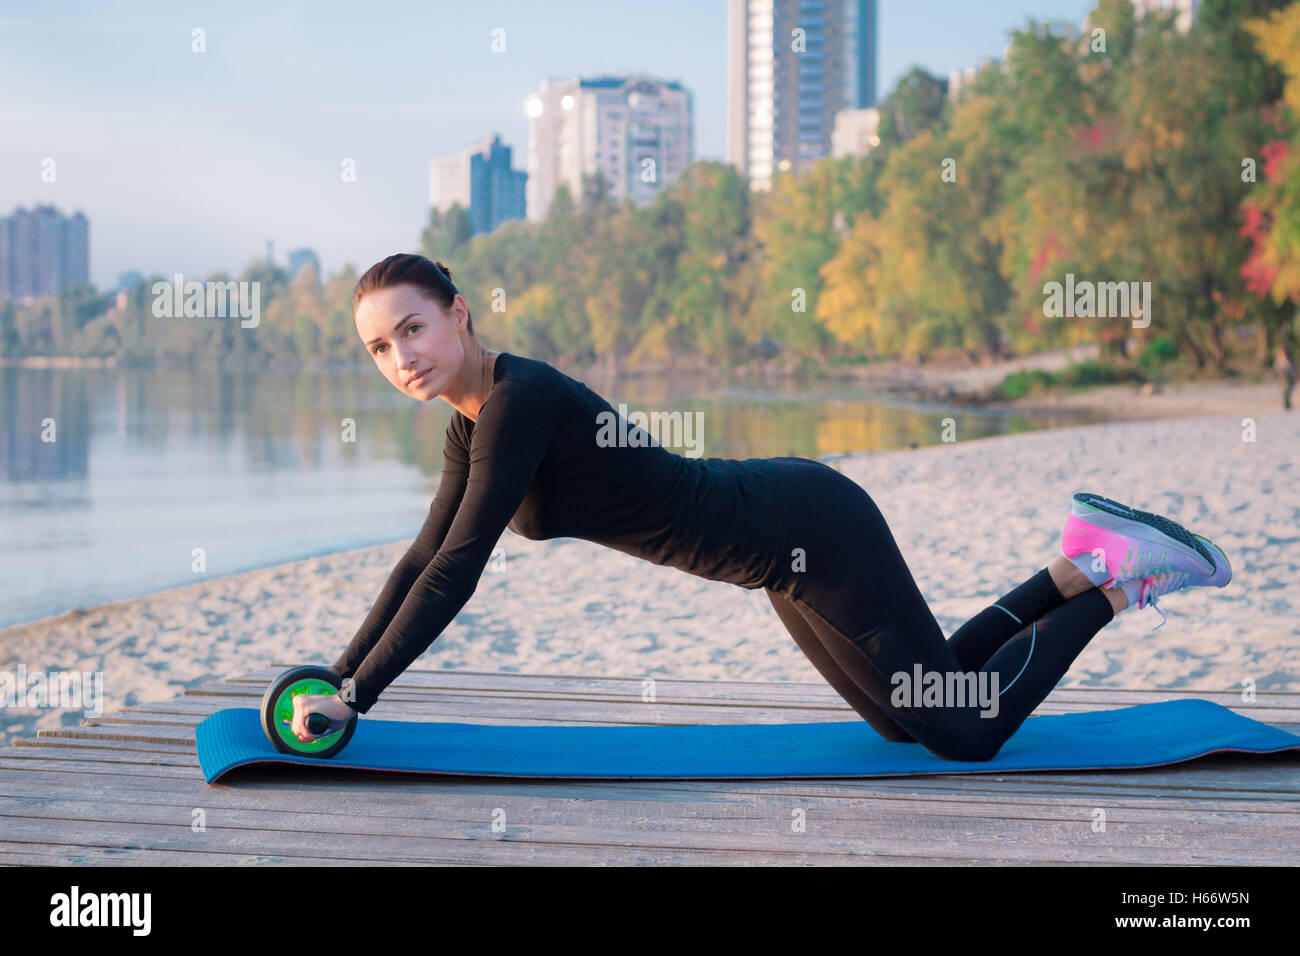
<point>1091,508</point>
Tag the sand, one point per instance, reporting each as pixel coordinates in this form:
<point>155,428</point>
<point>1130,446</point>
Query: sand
<point>973,519</point>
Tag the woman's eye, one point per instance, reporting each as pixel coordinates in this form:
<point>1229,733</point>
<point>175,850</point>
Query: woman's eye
<point>409,328</point>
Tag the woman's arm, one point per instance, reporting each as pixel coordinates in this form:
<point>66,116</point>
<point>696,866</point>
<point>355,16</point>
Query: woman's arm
<point>509,440</point>
<point>451,489</point>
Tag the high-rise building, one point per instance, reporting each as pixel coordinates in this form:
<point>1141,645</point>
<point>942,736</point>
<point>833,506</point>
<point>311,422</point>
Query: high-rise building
<point>791,66</point>
<point>77,250</point>
<point>481,181</point>
<point>6,258</point>
<point>22,255</point>
<point>636,130</point>
<point>42,252</point>
<point>299,259</point>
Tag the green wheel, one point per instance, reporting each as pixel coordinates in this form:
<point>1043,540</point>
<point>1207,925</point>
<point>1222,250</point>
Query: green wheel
<point>277,712</point>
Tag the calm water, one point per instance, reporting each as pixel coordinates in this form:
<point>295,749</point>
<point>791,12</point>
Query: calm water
<point>110,479</point>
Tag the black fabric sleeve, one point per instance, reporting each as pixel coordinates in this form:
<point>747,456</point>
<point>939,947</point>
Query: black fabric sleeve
<point>514,430</point>
<point>451,488</point>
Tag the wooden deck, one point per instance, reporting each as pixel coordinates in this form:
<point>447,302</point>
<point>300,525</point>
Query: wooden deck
<point>124,789</point>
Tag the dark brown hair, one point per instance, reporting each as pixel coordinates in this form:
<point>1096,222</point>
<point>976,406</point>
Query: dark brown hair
<point>433,279</point>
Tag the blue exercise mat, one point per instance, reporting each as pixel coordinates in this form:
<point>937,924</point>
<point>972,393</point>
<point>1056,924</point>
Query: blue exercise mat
<point>1144,736</point>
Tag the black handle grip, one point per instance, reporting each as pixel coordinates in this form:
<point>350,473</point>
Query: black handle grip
<point>317,724</point>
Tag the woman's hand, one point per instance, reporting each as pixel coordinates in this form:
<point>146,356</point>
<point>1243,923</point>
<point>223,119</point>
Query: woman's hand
<point>331,705</point>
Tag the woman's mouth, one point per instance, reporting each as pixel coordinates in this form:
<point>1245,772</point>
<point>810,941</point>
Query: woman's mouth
<point>417,379</point>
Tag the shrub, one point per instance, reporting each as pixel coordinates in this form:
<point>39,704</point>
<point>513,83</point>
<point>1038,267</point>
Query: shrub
<point>1159,352</point>
<point>1091,372</point>
<point>1021,383</point>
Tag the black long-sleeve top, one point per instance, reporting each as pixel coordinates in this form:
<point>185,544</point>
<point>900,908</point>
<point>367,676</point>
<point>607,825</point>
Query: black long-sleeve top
<point>545,459</point>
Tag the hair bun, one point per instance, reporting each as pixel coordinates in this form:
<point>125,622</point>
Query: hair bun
<point>445,270</point>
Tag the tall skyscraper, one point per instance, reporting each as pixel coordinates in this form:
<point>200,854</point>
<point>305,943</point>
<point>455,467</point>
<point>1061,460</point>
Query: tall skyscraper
<point>76,250</point>
<point>637,130</point>
<point>791,66</point>
<point>481,180</point>
<point>42,252</point>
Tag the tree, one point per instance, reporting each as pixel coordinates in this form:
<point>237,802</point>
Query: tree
<point>445,235</point>
<point>1272,210</point>
<point>915,105</point>
<point>708,209</point>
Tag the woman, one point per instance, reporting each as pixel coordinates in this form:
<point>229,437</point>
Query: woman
<point>526,449</point>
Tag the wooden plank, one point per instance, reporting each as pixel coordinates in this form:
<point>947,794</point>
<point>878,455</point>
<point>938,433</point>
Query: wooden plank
<point>851,809</point>
<point>506,849</point>
<point>260,787</point>
<point>180,736</point>
<point>116,746</point>
<point>1174,839</point>
<point>1230,784</point>
<point>40,854</point>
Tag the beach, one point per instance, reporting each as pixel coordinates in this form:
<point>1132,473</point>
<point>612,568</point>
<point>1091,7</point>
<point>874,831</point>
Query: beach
<point>972,518</point>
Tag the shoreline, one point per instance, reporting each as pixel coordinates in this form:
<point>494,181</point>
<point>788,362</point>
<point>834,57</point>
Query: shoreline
<point>1129,402</point>
<point>953,381</point>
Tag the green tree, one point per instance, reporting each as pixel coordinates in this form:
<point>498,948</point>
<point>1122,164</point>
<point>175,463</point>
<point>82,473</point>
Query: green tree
<point>445,235</point>
<point>914,105</point>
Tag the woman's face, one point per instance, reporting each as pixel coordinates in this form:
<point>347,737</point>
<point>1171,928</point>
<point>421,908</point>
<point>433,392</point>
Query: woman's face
<point>407,334</point>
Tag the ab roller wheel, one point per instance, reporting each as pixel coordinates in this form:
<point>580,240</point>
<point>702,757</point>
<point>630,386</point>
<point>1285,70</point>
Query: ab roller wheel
<point>277,712</point>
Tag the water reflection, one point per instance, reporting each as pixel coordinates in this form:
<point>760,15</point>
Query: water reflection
<point>113,480</point>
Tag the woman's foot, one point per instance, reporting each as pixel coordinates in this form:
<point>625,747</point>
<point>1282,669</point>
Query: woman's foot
<point>1111,543</point>
<point>1134,556</point>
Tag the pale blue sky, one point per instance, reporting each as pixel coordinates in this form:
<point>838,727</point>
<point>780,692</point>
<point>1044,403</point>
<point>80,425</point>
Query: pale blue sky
<point>189,163</point>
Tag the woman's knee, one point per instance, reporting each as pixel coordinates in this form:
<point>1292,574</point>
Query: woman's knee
<point>951,735</point>
<point>963,747</point>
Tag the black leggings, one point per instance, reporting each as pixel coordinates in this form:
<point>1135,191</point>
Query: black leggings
<point>849,600</point>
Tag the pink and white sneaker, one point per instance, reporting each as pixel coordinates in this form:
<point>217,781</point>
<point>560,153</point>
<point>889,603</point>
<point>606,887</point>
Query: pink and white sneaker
<point>1150,555</point>
<point>1132,543</point>
<point>1155,585</point>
